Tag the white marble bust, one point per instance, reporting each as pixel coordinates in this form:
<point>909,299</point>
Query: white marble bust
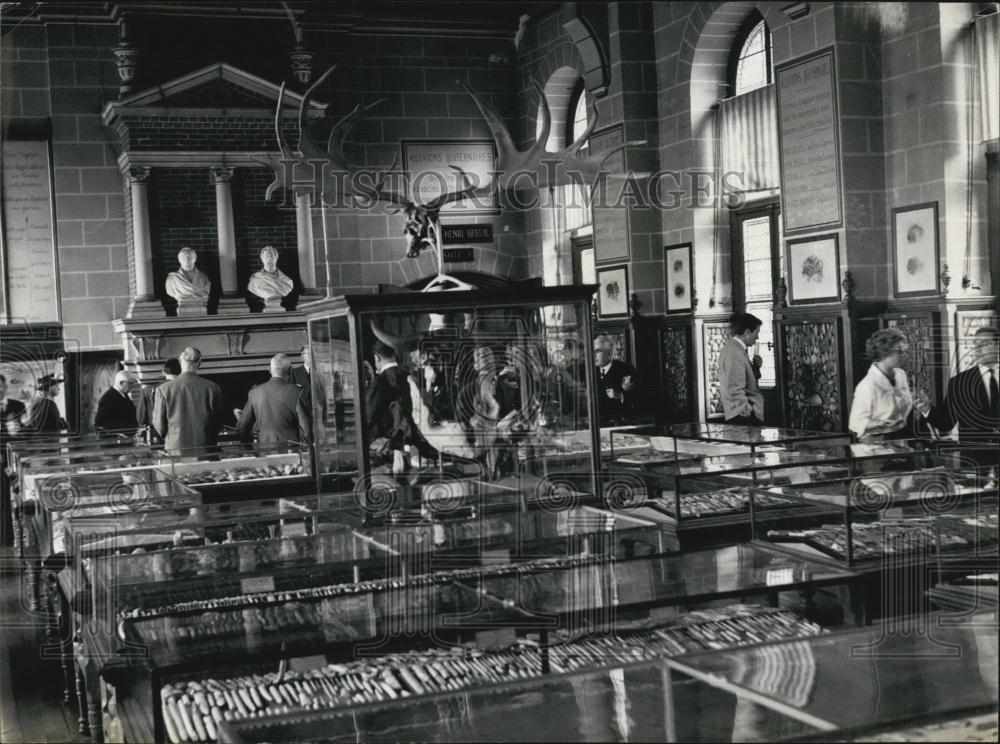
<point>270,284</point>
<point>188,285</point>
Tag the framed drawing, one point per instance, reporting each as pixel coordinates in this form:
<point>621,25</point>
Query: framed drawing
<point>678,277</point>
<point>612,292</point>
<point>813,269</point>
<point>915,250</point>
<point>429,172</point>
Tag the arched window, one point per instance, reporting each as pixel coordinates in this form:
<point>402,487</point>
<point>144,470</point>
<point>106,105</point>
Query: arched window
<point>750,147</point>
<point>751,67</point>
<point>576,199</point>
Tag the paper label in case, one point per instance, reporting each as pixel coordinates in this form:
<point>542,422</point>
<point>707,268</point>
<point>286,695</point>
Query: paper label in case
<point>257,584</point>
<point>495,639</point>
<point>305,663</point>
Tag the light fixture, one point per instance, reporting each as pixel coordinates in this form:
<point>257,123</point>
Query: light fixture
<point>126,56</point>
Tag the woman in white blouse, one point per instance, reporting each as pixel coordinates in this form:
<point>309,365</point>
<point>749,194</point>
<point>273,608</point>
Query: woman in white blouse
<point>882,400</point>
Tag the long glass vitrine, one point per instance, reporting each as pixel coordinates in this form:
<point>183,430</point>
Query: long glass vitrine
<point>417,382</point>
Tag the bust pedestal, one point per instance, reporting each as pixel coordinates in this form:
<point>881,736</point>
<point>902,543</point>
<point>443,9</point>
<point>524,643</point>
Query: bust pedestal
<point>192,306</point>
<point>273,305</point>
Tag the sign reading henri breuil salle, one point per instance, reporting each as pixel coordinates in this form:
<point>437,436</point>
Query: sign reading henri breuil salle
<point>431,170</point>
<point>457,234</point>
<point>810,148</point>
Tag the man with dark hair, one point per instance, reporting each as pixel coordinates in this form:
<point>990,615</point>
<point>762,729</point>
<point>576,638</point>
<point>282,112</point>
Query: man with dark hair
<point>188,411</point>
<point>973,398</point>
<point>388,406</point>
<point>742,403</point>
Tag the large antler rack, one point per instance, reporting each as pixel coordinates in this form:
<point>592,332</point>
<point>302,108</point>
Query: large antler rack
<point>538,168</point>
<point>294,169</point>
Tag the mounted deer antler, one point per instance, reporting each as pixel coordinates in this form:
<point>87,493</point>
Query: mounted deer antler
<point>548,169</point>
<point>337,177</point>
<point>422,220</point>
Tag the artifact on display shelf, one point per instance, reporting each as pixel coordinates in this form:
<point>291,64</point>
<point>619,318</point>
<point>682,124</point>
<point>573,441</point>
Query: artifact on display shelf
<point>270,284</point>
<point>189,285</point>
<point>916,536</point>
<point>726,501</point>
<point>416,673</point>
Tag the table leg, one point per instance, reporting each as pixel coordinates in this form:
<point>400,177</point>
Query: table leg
<point>66,648</point>
<point>81,702</point>
<point>94,717</point>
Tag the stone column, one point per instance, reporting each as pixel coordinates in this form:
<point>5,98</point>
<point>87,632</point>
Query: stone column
<point>304,231</point>
<point>144,303</point>
<point>232,299</point>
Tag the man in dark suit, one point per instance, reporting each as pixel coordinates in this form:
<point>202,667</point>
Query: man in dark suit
<point>11,412</point>
<point>188,412</point>
<point>275,412</point>
<point>388,406</point>
<point>973,399</point>
<point>615,381</point>
<point>115,411</point>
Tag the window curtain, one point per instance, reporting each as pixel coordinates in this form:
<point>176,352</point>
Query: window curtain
<point>750,138</point>
<point>988,66</point>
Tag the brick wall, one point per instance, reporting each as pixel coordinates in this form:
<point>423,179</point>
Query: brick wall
<point>926,103</point>
<point>417,78</point>
<point>864,241</point>
<point>182,213</point>
<point>259,223</point>
<point>93,261</point>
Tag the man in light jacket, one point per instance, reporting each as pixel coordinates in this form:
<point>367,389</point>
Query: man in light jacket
<point>742,403</point>
<point>188,410</point>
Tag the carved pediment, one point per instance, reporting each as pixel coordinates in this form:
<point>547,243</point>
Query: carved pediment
<point>218,86</point>
<point>218,93</point>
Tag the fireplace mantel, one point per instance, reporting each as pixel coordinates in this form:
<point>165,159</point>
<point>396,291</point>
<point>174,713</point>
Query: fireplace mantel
<point>228,344</point>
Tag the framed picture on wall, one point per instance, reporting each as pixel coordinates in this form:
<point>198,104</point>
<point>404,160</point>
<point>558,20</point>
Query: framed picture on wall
<point>915,250</point>
<point>678,277</point>
<point>612,292</point>
<point>813,269</point>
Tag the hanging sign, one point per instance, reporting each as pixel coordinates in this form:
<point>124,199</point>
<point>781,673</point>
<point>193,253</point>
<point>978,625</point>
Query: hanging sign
<point>460,234</point>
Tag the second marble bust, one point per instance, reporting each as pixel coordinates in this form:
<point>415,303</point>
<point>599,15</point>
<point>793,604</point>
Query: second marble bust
<point>270,284</point>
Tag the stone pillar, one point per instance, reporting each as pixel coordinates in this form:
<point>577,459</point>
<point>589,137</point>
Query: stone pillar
<point>304,232</point>
<point>144,303</point>
<point>232,298</point>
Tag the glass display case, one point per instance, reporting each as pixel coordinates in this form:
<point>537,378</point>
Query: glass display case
<point>696,491</point>
<point>812,687</point>
<point>124,499</point>
<point>899,674</point>
<point>715,439</point>
<point>626,702</point>
<point>875,519</point>
<point>231,470</point>
<point>406,633</point>
<point>439,381</point>
<point>643,592</point>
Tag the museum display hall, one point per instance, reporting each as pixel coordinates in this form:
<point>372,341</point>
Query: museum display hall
<point>499,371</point>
